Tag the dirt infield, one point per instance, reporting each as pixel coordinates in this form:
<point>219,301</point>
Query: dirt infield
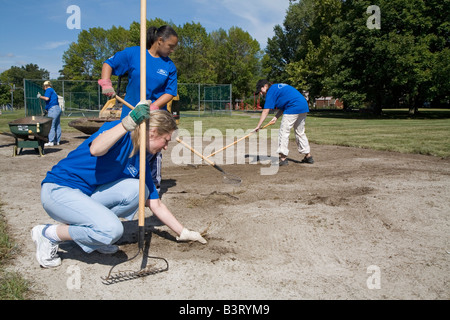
<point>357,224</point>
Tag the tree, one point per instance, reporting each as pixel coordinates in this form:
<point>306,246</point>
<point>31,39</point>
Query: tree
<point>236,58</point>
<point>299,52</point>
<point>84,58</point>
<point>382,67</point>
<point>327,47</point>
<point>278,55</point>
<point>287,43</point>
<point>135,30</point>
<point>193,56</point>
<point>310,68</point>
<point>220,57</point>
<point>14,76</point>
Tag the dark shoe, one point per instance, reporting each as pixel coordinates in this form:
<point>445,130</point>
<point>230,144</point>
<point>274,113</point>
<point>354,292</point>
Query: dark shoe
<point>309,160</point>
<point>283,162</point>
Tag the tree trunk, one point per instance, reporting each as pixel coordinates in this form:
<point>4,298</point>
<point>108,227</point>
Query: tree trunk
<point>414,106</point>
<point>412,110</point>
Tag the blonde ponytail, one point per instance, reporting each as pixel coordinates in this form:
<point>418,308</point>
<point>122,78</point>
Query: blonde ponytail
<point>162,120</point>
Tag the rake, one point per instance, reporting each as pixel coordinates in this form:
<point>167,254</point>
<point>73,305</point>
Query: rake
<point>227,177</point>
<point>145,268</point>
<point>244,137</point>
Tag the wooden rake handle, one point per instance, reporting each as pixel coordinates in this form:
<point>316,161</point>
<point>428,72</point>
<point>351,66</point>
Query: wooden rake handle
<point>196,152</point>
<point>142,126</point>
<point>124,102</point>
<point>240,139</point>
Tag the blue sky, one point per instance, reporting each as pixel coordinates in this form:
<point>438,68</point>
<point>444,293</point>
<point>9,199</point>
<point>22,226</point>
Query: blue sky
<point>36,31</point>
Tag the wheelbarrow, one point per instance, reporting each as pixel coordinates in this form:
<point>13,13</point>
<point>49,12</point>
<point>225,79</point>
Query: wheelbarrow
<point>90,125</point>
<point>30,132</point>
<point>111,111</point>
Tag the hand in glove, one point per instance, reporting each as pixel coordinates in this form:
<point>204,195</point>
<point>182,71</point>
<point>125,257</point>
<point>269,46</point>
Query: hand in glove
<point>187,235</point>
<point>38,95</point>
<point>136,116</point>
<point>107,88</point>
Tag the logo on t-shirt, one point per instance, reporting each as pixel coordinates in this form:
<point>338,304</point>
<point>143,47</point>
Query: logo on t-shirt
<point>163,72</point>
<point>132,170</point>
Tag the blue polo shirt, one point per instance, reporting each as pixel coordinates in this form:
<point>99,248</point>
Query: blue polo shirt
<point>80,170</point>
<point>286,98</point>
<point>53,98</point>
<point>161,75</point>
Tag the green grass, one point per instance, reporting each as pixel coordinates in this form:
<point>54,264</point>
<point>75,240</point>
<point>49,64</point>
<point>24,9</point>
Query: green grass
<point>427,133</point>
<point>12,285</point>
<point>8,116</point>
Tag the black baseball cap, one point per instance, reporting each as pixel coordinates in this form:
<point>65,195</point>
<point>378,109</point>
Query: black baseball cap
<point>261,83</point>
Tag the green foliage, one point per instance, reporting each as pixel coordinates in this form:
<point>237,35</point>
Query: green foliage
<point>231,57</point>
<point>14,77</point>
<point>12,285</point>
<point>326,47</point>
<point>84,58</point>
<point>135,30</point>
<point>236,60</point>
<point>193,56</point>
<point>323,46</point>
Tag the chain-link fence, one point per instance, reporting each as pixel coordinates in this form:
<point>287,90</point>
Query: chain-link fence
<point>84,98</point>
<point>204,99</point>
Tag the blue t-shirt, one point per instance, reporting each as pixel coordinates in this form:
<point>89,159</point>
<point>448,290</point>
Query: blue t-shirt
<point>161,75</point>
<point>53,98</point>
<point>81,170</point>
<point>286,98</point>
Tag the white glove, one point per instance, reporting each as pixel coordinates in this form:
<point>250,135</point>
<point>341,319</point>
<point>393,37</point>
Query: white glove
<point>187,235</point>
<point>38,95</point>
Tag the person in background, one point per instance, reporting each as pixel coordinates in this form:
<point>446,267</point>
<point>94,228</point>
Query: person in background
<point>53,110</point>
<point>294,108</point>
<point>161,76</point>
<point>98,183</point>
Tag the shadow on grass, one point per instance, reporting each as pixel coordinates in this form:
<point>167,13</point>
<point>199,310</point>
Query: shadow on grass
<point>432,114</point>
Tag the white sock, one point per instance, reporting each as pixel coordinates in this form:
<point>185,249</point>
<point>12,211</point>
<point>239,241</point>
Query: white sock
<point>50,233</point>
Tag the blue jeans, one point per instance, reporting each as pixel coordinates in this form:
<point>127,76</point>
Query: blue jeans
<point>93,220</point>
<point>55,131</point>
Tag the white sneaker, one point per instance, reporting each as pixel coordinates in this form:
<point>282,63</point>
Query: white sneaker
<point>109,249</point>
<point>48,144</point>
<point>46,250</point>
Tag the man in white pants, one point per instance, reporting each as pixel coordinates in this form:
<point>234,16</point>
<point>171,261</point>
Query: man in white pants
<point>294,108</point>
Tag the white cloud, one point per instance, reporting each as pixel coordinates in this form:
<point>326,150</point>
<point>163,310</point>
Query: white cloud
<point>258,17</point>
<point>7,55</point>
<point>50,45</point>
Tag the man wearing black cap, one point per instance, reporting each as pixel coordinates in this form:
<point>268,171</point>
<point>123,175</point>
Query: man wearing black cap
<point>294,108</point>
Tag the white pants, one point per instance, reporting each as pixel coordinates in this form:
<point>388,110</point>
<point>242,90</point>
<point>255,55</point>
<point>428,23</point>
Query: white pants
<point>296,121</point>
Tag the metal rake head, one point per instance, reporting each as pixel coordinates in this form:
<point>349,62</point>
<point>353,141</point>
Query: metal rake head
<point>231,179</point>
<point>228,177</point>
<point>145,270</point>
